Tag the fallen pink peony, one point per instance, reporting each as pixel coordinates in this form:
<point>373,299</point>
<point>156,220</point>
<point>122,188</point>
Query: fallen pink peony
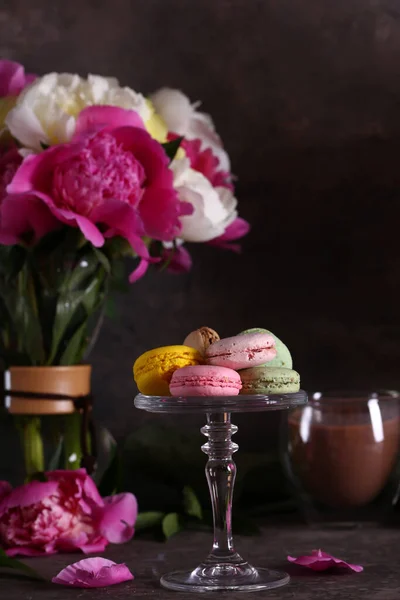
<point>321,561</point>
<point>13,78</point>
<point>93,573</point>
<point>64,514</point>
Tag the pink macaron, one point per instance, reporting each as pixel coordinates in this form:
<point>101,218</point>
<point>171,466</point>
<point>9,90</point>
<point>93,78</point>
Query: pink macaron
<point>205,380</point>
<point>242,351</point>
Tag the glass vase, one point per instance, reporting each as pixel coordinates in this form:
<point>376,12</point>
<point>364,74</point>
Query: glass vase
<point>52,304</point>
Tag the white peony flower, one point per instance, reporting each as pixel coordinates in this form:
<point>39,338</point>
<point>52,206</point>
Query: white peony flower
<point>214,208</point>
<point>181,117</point>
<point>46,111</point>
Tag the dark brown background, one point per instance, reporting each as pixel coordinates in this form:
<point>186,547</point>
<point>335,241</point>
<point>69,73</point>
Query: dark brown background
<point>306,95</point>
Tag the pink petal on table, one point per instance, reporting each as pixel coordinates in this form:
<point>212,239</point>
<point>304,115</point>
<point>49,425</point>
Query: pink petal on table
<point>321,561</point>
<point>93,572</point>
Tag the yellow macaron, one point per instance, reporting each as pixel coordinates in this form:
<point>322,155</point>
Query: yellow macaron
<point>153,370</point>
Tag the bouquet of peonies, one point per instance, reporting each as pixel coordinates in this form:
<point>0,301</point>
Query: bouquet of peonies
<point>92,173</point>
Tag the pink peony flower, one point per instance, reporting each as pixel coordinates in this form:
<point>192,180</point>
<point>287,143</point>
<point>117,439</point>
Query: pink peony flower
<point>205,161</point>
<point>23,218</point>
<point>321,561</point>
<point>65,513</point>
<point>110,181</point>
<point>13,78</point>
<point>92,573</point>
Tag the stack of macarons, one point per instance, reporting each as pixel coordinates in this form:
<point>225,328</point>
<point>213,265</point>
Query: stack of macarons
<point>253,362</point>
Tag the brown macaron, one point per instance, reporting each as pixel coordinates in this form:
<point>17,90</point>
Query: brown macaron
<point>201,339</point>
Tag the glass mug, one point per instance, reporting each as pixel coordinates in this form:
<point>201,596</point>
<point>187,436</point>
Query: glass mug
<point>341,452</point>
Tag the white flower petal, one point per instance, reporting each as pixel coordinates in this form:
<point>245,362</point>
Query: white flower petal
<point>174,108</point>
<point>47,110</point>
<point>214,208</point>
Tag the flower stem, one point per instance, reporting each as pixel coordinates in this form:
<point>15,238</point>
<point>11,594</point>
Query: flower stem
<point>72,441</point>
<point>30,430</point>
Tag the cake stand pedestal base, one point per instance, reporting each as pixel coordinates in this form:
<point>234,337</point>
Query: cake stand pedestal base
<point>240,578</point>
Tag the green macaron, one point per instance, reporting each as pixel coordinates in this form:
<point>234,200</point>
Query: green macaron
<point>283,357</point>
<point>269,380</point>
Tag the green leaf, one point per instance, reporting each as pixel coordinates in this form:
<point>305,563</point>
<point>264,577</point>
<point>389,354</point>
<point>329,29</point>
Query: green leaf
<point>171,148</point>
<point>7,562</point>
<point>19,302</point>
<point>191,503</point>
<point>74,305</point>
<point>171,525</point>
<point>148,520</point>
<point>75,348</point>
<point>103,260</point>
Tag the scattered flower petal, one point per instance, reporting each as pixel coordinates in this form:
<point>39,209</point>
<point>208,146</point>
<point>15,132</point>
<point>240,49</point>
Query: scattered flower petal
<point>321,561</point>
<point>92,573</point>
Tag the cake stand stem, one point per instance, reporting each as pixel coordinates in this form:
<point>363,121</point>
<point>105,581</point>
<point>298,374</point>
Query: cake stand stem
<point>224,568</point>
<point>221,473</point>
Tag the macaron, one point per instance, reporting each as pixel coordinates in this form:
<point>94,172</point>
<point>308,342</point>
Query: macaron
<point>242,351</point>
<point>153,370</point>
<point>201,339</point>
<point>205,380</point>
<point>269,380</point>
<point>283,357</point>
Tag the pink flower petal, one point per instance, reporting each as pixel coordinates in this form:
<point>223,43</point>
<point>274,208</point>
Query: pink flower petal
<point>94,118</point>
<point>321,561</point>
<point>119,517</point>
<point>92,573</point>
<point>13,78</point>
<point>238,229</point>
<point>139,271</point>
<point>180,260</point>
<point>25,219</point>
<point>77,478</point>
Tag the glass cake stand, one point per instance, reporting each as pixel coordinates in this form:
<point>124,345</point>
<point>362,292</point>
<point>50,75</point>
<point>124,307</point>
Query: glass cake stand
<point>224,568</point>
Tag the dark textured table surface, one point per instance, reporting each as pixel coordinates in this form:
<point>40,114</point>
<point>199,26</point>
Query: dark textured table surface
<point>376,549</point>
